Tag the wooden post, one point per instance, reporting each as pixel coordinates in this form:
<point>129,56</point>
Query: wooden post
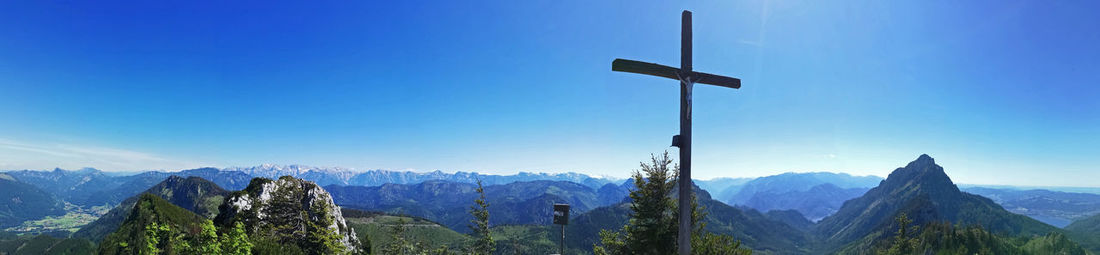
<point>684,235</point>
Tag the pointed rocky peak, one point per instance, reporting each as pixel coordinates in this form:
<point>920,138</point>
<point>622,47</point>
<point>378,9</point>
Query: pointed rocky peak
<point>921,173</point>
<point>171,180</point>
<point>926,194</point>
<point>922,161</point>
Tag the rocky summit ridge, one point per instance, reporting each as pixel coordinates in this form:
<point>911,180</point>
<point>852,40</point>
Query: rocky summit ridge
<point>289,210</point>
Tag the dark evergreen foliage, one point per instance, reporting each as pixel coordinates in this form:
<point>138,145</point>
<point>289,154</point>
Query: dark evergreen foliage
<point>44,245</point>
<point>479,226</point>
<point>652,227</point>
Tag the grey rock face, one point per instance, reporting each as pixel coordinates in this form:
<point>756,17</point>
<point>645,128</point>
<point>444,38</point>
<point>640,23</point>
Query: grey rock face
<point>288,209</point>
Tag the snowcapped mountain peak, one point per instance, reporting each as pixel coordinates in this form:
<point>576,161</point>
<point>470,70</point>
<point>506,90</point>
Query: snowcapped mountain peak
<point>344,176</point>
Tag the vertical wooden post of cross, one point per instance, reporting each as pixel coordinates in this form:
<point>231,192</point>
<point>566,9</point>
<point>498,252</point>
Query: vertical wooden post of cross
<point>687,78</point>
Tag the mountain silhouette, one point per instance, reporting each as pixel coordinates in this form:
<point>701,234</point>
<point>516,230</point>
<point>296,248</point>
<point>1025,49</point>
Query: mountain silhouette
<point>924,192</point>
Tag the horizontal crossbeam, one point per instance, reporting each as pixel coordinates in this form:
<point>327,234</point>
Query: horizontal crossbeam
<point>639,67</point>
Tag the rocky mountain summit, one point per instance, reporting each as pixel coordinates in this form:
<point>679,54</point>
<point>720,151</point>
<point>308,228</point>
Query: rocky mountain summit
<point>924,192</point>
<point>290,211</point>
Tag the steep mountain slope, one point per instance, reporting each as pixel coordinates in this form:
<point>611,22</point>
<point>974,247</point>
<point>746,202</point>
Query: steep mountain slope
<point>612,194</point>
<point>1051,207</point>
<point>288,211</point>
<point>922,190</point>
<point>148,210</point>
<point>20,202</point>
<point>129,187</point>
<point>192,193</point>
<point>723,189</point>
<point>944,238</point>
<point>790,217</point>
<point>44,245</point>
<point>1086,232</point>
<point>816,203</point>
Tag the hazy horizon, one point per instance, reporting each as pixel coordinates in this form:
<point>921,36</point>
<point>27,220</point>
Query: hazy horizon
<point>623,177</point>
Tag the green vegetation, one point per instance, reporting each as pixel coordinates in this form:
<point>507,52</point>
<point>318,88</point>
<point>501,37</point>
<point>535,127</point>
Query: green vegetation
<point>943,238</point>
<point>652,228</point>
<point>289,216</point>
<point>74,218</point>
<point>156,226</point>
<point>415,230</point>
<point>1086,232</point>
<point>400,244</point>
<point>44,245</point>
<point>532,239</point>
<point>192,193</point>
<point>904,242</point>
<point>483,244</point>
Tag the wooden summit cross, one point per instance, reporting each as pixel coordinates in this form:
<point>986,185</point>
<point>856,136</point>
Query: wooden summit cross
<point>687,78</point>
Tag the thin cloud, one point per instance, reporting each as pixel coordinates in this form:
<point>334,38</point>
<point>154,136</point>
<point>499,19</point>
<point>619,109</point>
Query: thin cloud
<point>30,155</point>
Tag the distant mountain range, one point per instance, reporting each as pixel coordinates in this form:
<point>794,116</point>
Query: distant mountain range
<point>20,202</point>
<point>1051,207</point>
<point>342,176</point>
<point>519,198</point>
<point>814,195</point>
<point>775,217</point>
<point>91,187</point>
<point>448,202</point>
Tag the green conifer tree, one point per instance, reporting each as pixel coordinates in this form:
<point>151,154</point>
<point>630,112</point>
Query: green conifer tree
<point>484,244</point>
<point>652,228</point>
<point>235,240</point>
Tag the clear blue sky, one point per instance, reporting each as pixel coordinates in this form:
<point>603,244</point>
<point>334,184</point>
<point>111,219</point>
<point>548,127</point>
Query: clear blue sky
<point>999,92</point>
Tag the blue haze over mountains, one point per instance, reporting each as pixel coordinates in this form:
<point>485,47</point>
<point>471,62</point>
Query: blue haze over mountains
<point>813,196</point>
<point>791,213</point>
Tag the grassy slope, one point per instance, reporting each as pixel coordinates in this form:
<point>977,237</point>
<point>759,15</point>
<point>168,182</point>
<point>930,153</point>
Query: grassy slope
<point>1086,232</point>
<point>377,229</point>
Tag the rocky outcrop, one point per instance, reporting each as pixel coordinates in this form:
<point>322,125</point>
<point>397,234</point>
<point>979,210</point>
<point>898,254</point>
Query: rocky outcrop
<point>292,211</point>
